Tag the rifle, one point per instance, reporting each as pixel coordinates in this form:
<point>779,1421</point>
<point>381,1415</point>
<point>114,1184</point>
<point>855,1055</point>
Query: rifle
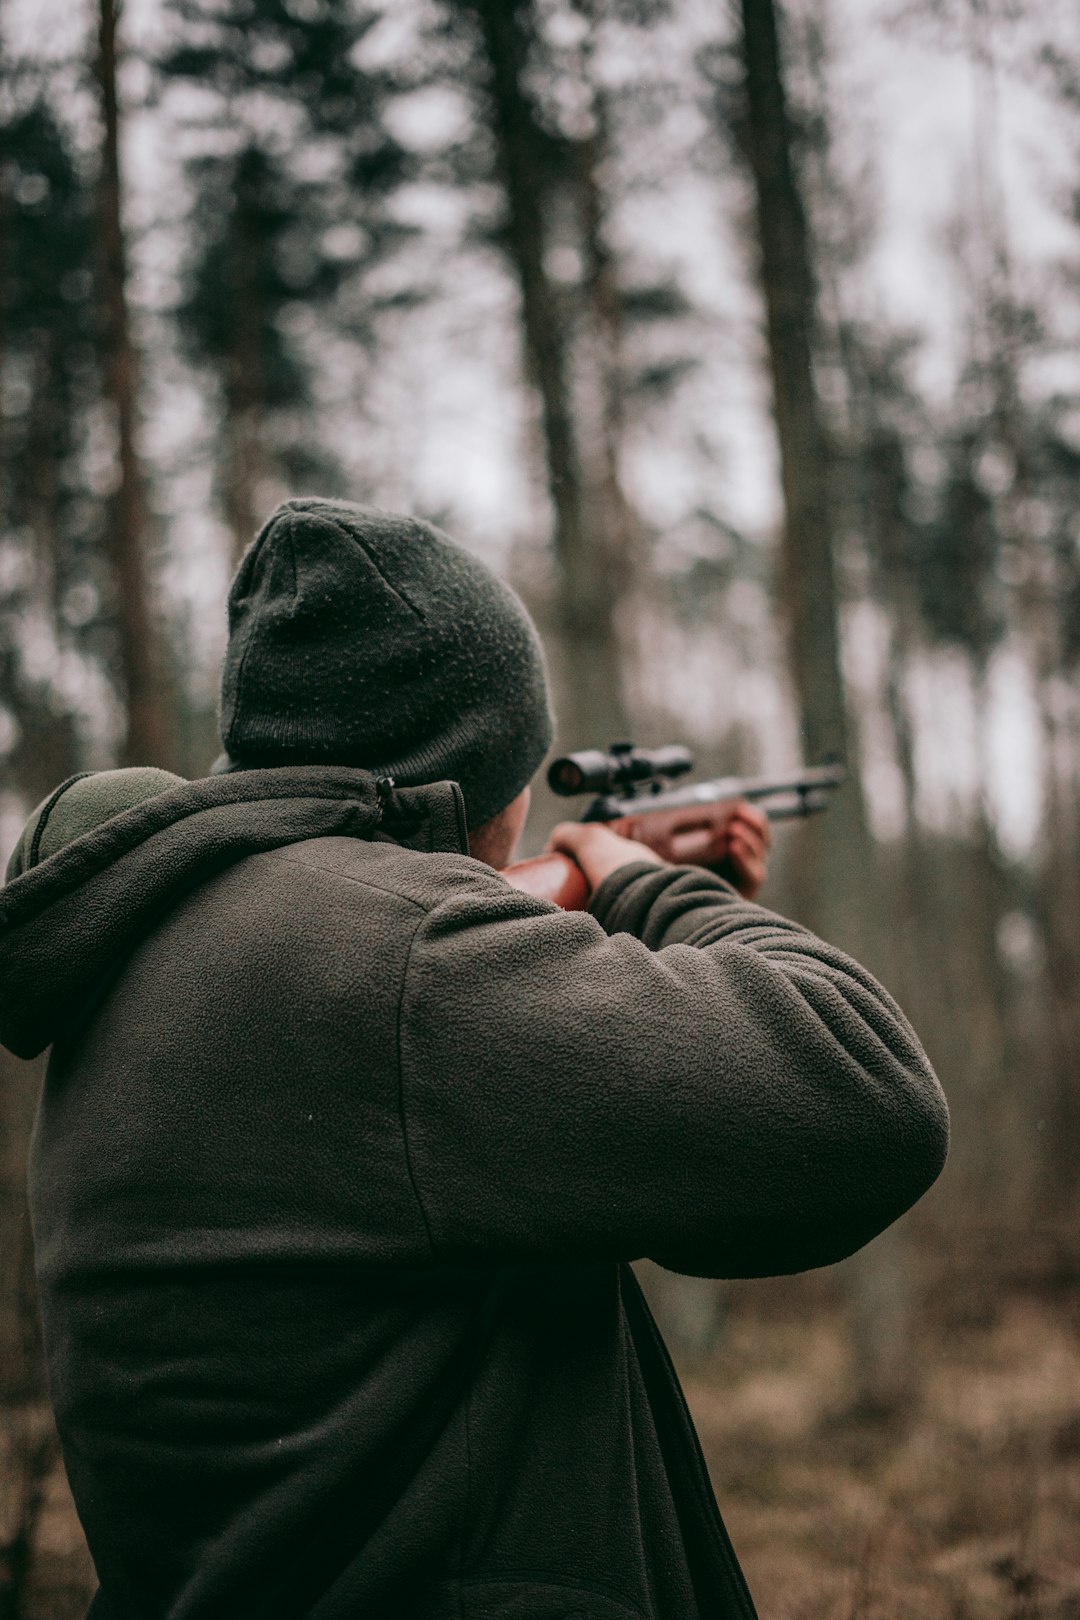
<point>632,797</point>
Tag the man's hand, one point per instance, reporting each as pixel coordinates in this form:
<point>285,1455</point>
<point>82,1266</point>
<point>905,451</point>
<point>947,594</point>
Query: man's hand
<point>745,862</point>
<point>598,850</point>
<point>731,839</point>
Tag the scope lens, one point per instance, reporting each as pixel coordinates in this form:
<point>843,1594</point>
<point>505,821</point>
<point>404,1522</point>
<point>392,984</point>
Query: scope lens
<point>565,776</point>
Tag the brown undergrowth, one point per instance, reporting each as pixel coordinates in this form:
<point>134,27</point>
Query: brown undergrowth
<point>964,1507</point>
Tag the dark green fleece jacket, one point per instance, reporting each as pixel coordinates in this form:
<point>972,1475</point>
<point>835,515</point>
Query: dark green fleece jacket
<point>343,1151</point>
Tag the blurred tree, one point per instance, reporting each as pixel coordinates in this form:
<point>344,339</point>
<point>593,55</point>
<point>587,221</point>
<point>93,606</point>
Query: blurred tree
<point>1008,333</point>
<point>884,422</point>
<point>835,852</point>
<point>1040,518</point>
<point>149,735</point>
<point>537,169</point>
<point>292,177</point>
<point>877,417</point>
<point>615,529</point>
<point>923,558</point>
<point>997,572</point>
<point>47,377</point>
<point>48,382</point>
<point>835,880</point>
<point>1044,524</point>
<point>46,231</point>
<point>245,212</point>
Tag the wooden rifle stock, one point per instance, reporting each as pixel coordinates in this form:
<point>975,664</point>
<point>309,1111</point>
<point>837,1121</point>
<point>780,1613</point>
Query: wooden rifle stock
<point>551,877</point>
<point>695,836</point>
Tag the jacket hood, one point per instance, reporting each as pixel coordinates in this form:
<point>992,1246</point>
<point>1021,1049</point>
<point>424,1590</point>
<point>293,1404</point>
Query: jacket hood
<point>107,856</point>
<point>80,804</point>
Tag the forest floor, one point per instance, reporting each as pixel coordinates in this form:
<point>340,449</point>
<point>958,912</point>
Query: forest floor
<point>965,1508</point>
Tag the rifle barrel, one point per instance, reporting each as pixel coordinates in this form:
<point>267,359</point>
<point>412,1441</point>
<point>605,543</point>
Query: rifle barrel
<point>801,793</point>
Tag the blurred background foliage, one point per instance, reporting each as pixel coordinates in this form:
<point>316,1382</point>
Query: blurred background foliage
<point>743,338</point>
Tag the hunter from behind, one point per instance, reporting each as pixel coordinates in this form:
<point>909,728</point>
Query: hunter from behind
<point>347,1144</point>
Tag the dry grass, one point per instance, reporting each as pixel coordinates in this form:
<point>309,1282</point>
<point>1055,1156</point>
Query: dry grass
<point>60,1580</point>
<point>966,1508</point>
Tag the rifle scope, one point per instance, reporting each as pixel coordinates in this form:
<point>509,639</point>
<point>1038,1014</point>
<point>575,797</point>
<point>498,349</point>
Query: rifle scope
<point>623,769</point>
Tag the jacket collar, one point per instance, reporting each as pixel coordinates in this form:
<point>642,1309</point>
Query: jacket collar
<point>67,923</point>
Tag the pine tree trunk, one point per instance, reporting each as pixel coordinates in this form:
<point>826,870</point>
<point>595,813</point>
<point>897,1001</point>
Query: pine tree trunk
<point>835,849</point>
<point>47,752</point>
<point>43,482</point>
<point>808,569</point>
<point>149,731</point>
<point>31,1448</point>
<point>834,883</point>
<point>615,523</point>
<point>242,463</point>
<point>885,518</point>
<point>1057,893</point>
<point>1040,606</point>
<point>690,1310</point>
<point>591,698</point>
<point>244,459</point>
<point>22,1374</point>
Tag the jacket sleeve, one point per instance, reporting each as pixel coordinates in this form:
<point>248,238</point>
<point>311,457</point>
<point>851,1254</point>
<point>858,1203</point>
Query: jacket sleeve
<point>681,1074</point>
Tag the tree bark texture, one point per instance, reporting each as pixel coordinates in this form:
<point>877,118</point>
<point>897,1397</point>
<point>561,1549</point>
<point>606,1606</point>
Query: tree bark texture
<point>833,881</point>
<point>148,739</point>
<point>591,705</point>
<point>1039,614</point>
<point>808,568</point>
<point>22,1373</point>
<point>832,876</point>
<point>615,521</point>
<point>244,384</point>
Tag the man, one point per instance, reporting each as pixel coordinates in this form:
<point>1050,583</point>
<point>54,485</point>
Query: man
<point>346,1144</point>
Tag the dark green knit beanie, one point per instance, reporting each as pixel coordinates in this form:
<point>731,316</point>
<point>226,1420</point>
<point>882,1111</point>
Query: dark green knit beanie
<point>358,637</point>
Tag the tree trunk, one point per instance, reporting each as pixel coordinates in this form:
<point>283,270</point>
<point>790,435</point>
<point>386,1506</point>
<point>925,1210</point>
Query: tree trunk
<point>883,500</point>
<point>835,849</point>
<point>43,482</point>
<point>1057,894</point>
<point>591,697</point>
<point>48,750</point>
<point>149,730</point>
<point>833,882</point>
<point>1058,887</point>
<point>242,461</point>
<point>807,568</point>
<point>615,523</point>
<point>244,456</point>
<point>690,1310</point>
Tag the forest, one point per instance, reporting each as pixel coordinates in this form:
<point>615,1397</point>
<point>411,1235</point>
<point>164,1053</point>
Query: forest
<point>744,339</point>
